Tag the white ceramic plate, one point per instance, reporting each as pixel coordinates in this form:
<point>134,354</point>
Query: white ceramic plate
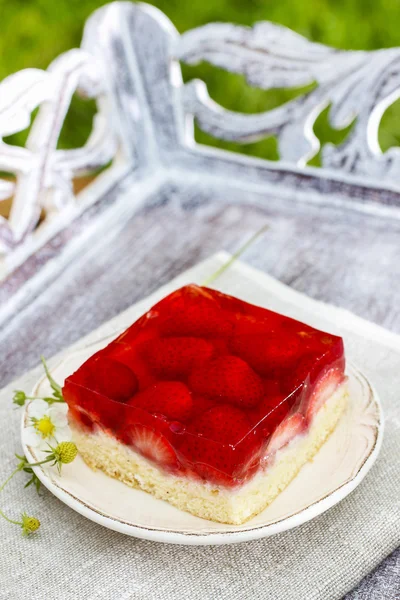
<point>338,468</point>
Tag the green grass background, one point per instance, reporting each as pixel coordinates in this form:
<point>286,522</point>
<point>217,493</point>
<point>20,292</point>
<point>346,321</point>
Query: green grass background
<point>34,32</point>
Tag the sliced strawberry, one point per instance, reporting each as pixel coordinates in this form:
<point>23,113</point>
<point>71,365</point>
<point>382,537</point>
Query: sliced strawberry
<point>325,386</point>
<point>270,413</point>
<point>110,378</point>
<point>269,355</point>
<point>251,460</point>
<point>76,415</point>
<point>302,372</point>
<point>286,431</point>
<point>228,378</point>
<point>93,407</point>
<point>152,445</point>
<point>176,356</point>
<point>190,473</point>
<point>209,459</point>
<point>213,475</point>
<point>221,446</point>
<point>220,464</point>
<point>311,364</point>
<point>223,423</point>
<point>170,398</point>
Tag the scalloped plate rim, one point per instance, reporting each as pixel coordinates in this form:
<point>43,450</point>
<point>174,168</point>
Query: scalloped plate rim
<point>209,537</point>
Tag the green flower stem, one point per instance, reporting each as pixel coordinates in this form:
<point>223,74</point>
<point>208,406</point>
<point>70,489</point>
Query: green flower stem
<point>10,520</point>
<point>54,385</point>
<point>234,257</point>
<point>20,398</point>
<point>42,462</point>
<point>28,524</point>
<point>22,465</point>
<point>47,398</point>
<point>19,468</point>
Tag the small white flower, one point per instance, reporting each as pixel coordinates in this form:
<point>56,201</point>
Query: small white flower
<point>47,425</point>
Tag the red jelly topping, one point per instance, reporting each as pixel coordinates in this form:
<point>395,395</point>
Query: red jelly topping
<point>206,385</point>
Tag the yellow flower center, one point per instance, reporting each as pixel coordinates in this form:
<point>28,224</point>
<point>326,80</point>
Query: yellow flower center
<point>44,426</point>
<point>29,524</point>
<point>66,452</point>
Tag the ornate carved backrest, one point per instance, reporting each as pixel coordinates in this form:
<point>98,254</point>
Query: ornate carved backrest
<point>130,63</point>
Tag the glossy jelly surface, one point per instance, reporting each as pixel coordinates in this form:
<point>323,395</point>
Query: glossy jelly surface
<point>206,385</point>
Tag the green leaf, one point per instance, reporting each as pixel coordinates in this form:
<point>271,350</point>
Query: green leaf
<point>23,463</point>
<point>54,399</point>
<point>57,391</point>
<point>35,480</point>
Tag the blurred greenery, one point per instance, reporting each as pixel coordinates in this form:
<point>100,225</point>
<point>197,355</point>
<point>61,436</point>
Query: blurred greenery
<point>34,32</point>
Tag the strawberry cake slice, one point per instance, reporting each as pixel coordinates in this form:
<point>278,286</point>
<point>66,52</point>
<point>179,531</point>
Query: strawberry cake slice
<point>209,403</point>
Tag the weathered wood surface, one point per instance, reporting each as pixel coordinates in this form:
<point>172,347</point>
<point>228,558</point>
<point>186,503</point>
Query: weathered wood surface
<point>129,62</point>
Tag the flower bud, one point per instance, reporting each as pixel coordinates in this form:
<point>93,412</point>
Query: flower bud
<point>29,524</point>
<point>19,398</point>
<point>65,452</point>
